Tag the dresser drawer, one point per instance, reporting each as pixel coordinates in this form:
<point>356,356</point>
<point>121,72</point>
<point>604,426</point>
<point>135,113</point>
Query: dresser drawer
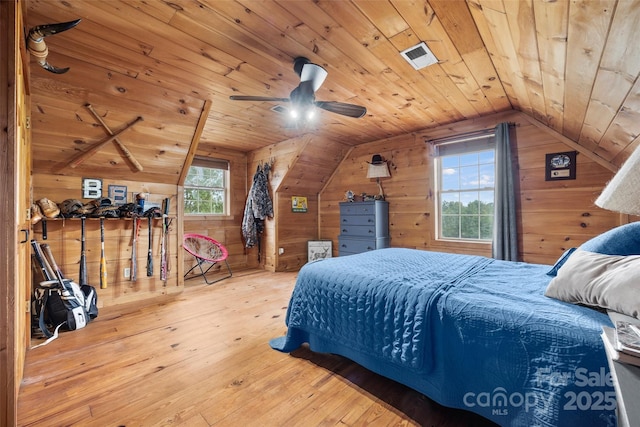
<point>355,245</point>
<point>364,226</point>
<point>357,208</point>
<point>357,220</point>
<point>358,230</point>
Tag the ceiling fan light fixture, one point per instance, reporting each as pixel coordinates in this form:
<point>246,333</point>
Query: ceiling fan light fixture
<point>303,96</point>
<point>311,113</point>
<point>419,56</point>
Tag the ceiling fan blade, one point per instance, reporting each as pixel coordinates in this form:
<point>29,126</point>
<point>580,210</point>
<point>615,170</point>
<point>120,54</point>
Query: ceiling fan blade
<point>313,73</point>
<point>350,110</point>
<point>257,98</point>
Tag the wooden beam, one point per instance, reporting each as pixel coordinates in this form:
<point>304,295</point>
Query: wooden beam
<point>579,148</point>
<point>195,140</point>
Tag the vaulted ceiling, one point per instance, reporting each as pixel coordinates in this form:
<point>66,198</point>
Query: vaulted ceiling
<point>571,65</point>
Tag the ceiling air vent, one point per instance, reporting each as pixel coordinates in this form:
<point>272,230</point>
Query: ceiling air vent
<point>419,56</point>
<point>279,109</point>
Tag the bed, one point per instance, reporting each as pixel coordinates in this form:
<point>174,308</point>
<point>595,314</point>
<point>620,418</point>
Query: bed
<point>467,331</point>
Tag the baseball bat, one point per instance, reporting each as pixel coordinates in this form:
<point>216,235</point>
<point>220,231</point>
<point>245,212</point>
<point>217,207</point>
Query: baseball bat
<point>134,255</point>
<point>83,255</point>
<point>95,147</point>
<point>103,259</point>
<point>163,258</point>
<point>51,274</point>
<point>54,265</point>
<point>150,251</point>
<point>47,271</point>
<point>120,145</point>
<point>163,249</point>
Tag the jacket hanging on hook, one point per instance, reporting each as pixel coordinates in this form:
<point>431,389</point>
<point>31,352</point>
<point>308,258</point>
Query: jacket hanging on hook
<point>258,206</point>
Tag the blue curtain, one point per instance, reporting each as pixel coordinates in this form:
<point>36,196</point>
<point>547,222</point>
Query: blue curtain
<point>505,231</point>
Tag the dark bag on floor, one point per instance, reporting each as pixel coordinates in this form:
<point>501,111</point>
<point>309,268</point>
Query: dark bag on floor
<point>66,305</point>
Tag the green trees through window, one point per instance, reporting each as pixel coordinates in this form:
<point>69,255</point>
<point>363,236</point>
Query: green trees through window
<point>205,191</point>
<point>466,195</point>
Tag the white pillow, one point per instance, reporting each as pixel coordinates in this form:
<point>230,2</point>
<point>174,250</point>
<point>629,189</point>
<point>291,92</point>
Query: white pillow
<point>608,281</point>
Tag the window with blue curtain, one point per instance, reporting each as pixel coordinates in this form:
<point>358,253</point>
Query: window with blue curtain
<point>465,184</point>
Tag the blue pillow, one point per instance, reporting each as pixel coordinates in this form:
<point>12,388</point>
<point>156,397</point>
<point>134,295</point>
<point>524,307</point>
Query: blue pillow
<point>622,240</point>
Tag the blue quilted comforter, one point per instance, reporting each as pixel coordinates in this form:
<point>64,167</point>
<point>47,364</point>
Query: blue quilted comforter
<point>467,331</point>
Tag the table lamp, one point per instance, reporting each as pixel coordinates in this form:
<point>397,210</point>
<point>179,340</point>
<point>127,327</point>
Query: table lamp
<point>622,193</point>
<point>378,168</point>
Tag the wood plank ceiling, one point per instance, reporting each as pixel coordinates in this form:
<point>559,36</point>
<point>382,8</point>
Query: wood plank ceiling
<point>572,65</point>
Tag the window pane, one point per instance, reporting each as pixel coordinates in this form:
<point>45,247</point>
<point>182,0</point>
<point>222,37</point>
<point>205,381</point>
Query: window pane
<point>469,227</point>
<point>217,177</point>
<point>451,226</point>
<point>486,227</point>
<point>450,204</point>
<point>450,179</point>
<point>487,175</point>
<point>466,194</point>
<point>487,157</point>
<point>450,162</point>
<point>205,190</point>
<point>469,177</point>
<point>469,202</point>
<point>469,159</point>
<point>486,202</point>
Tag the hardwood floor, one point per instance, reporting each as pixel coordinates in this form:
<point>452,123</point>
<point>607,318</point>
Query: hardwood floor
<point>202,358</point>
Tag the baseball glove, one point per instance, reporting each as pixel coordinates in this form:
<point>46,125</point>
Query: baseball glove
<point>70,208</point>
<point>128,210</point>
<point>106,212</point>
<point>101,202</point>
<point>49,208</point>
<point>36,213</point>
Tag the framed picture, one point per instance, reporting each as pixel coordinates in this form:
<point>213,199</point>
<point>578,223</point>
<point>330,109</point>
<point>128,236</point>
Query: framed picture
<point>318,249</point>
<point>560,166</point>
<point>298,204</point>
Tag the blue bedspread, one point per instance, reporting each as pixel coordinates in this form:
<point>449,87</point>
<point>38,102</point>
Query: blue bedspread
<point>467,331</point>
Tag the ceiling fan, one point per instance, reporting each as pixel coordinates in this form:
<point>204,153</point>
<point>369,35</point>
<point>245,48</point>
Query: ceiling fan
<point>303,98</point>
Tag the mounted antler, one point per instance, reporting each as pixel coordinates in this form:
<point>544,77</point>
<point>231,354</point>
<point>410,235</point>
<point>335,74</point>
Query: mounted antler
<point>38,48</point>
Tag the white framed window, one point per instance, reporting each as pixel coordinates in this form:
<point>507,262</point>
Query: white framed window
<point>206,188</point>
<point>465,187</point>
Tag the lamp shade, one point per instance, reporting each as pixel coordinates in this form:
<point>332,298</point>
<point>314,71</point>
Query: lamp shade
<point>378,168</point>
<point>622,193</point>
<point>378,171</point>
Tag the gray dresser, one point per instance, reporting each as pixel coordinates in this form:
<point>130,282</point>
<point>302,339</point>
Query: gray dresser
<point>364,226</point>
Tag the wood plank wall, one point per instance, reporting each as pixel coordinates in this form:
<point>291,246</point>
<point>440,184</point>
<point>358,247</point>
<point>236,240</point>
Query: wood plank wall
<point>283,156</point>
<point>64,238</point>
<point>553,215</point>
<point>302,167</point>
<point>225,229</point>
